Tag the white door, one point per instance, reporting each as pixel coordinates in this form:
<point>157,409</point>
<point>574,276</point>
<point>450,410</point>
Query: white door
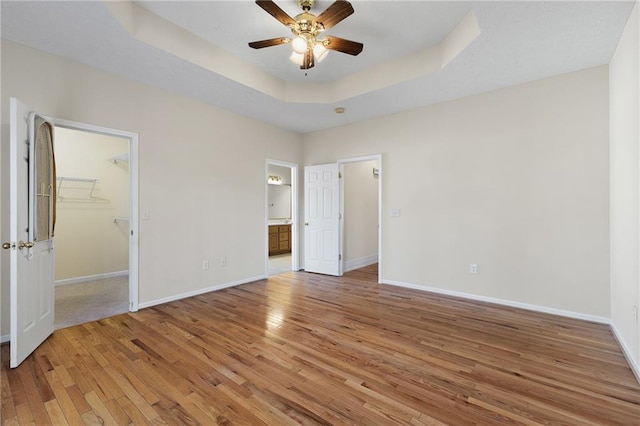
<point>322,219</point>
<point>32,204</point>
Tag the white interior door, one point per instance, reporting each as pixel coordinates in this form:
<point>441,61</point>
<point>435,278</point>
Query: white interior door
<point>32,204</point>
<point>322,219</point>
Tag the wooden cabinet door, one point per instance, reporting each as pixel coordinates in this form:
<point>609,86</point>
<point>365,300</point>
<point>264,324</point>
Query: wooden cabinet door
<point>284,245</point>
<point>279,239</point>
<point>274,242</point>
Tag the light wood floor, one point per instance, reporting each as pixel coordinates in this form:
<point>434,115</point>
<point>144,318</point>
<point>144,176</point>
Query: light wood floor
<point>310,349</point>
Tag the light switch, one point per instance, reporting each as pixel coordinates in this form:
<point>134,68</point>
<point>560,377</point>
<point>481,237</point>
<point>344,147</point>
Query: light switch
<point>395,212</point>
<point>145,215</point>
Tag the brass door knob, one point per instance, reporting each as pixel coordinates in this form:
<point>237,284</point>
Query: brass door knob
<point>6,246</point>
<point>22,244</point>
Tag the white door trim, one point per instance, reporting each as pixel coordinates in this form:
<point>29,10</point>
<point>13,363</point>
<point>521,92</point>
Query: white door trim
<point>295,256</point>
<point>133,195</point>
<point>378,158</point>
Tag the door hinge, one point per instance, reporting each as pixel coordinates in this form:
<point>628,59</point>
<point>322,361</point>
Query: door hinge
<point>339,175</point>
<point>339,257</point>
<point>339,215</point>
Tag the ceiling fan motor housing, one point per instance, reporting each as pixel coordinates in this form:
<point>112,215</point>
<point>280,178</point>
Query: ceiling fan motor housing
<point>306,4</point>
<point>305,24</point>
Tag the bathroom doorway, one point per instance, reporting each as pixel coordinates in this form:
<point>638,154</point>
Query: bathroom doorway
<point>281,214</point>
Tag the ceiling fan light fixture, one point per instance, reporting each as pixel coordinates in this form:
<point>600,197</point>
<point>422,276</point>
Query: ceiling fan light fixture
<point>299,45</point>
<point>297,58</point>
<point>305,27</point>
<point>319,51</point>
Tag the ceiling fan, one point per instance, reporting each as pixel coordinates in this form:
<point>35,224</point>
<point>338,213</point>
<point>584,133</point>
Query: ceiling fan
<point>306,27</point>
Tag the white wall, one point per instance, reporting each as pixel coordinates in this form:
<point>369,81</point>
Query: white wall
<point>88,242</point>
<point>514,180</point>
<point>625,187</point>
<point>201,170</point>
<point>360,236</point>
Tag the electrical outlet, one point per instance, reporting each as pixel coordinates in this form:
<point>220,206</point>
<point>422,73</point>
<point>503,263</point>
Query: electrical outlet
<point>473,268</point>
<point>223,261</point>
<point>205,265</point>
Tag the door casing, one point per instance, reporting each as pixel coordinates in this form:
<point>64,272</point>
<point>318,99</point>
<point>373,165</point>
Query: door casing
<point>133,195</point>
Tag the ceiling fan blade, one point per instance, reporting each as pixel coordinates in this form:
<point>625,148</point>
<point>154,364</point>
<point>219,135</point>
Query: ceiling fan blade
<point>274,10</point>
<point>308,60</point>
<point>341,45</point>
<point>268,43</point>
<point>334,14</point>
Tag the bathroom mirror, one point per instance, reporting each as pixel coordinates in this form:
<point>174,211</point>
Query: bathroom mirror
<point>279,202</point>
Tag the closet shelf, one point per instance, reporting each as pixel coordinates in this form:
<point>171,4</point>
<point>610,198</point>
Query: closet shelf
<point>121,160</point>
<point>118,220</point>
<point>81,188</point>
<point>76,179</point>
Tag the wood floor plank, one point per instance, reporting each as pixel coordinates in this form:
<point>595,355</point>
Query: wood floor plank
<point>76,395</point>
<point>136,416</point>
<point>34,389</point>
<point>24,414</point>
<point>64,400</point>
<point>131,393</point>
<point>55,413</point>
<point>6,396</point>
<point>308,349</point>
<point>116,411</point>
<point>92,419</point>
<point>100,410</point>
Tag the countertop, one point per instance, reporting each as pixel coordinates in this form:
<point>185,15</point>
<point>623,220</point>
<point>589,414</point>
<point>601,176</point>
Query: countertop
<point>280,222</point>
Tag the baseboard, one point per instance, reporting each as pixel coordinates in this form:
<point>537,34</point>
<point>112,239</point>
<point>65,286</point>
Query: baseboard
<point>633,363</point>
<point>90,278</point>
<point>510,303</point>
<point>5,338</point>
<point>198,292</point>
<point>350,265</point>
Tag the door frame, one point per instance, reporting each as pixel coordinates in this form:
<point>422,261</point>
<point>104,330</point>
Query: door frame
<point>295,249</point>
<point>133,194</point>
<point>341,163</point>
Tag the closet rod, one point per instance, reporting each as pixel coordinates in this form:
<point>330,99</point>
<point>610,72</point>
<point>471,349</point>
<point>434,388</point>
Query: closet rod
<point>76,179</point>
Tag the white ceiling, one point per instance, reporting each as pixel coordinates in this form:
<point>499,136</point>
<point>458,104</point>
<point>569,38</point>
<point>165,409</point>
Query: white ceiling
<point>519,41</point>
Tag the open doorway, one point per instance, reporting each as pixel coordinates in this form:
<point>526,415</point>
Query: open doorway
<point>93,199</point>
<point>360,214</point>
<point>343,211</point>
<point>281,213</point>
